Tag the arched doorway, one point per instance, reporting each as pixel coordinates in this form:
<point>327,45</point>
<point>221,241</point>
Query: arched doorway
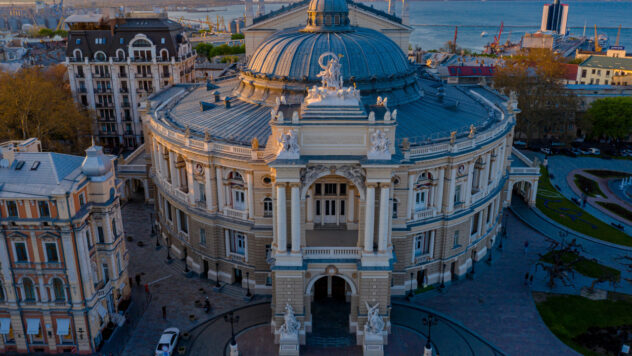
<point>330,313</point>
<point>523,189</point>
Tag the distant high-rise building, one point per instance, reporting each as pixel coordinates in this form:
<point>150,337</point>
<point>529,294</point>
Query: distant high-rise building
<point>262,8</point>
<point>249,12</point>
<point>554,17</point>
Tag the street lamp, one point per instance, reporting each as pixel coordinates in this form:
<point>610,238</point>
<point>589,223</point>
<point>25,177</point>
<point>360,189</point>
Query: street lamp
<point>442,286</point>
<point>248,284</point>
<point>410,292</point>
<point>233,319</point>
<point>168,250</point>
<point>429,321</point>
<point>151,221</point>
<point>217,274</point>
<point>186,266</point>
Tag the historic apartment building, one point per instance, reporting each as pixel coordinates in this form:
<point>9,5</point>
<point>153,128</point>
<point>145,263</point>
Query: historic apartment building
<point>63,261</point>
<point>329,168</point>
<point>116,63</point>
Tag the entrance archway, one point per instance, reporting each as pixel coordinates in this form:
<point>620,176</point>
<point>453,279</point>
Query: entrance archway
<point>330,310</point>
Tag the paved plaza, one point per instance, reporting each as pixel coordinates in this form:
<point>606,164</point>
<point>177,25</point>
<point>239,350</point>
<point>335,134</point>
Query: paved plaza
<point>168,286</point>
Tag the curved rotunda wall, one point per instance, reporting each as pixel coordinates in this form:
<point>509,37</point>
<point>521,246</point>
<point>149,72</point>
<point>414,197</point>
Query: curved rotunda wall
<point>219,217</point>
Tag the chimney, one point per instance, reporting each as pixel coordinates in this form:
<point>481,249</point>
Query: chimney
<point>227,102</point>
<point>216,94</point>
<point>7,156</point>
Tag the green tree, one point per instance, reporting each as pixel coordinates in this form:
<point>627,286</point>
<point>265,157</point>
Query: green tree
<point>237,36</point>
<point>37,102</point>
<point>609,118</point>
<point>547,108</point>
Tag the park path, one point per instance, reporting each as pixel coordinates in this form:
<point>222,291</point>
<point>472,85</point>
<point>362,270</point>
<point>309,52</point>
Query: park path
<point>496,303</point>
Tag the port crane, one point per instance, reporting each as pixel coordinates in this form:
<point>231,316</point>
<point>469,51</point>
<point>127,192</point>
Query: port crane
<point>494,46</point>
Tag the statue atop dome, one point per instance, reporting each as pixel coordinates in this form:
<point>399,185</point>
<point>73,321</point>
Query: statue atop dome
<point>331,76</point>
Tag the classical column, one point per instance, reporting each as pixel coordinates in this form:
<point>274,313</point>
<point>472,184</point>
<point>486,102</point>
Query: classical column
<point>486,170</point>
<point>451,190</point>
<point>220,189</point>
<point>480,223</point>
<point>350,204</point>
<point>310,206</point>
<point>432,242</point>
<point>439,195</point>
<point>534,193</point>
<point>191,189</point>
<point>411,197</point>
<point>384,215</point>
<point>208,187</point>
<point>281,219</point>
<point>251,195</point>
<point>175,180</point>
<point>296,218</point>
<point>468,188</point>
<point>368,218</point>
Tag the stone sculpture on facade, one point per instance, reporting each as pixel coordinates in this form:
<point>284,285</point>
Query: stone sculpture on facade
<point>289,145</point>
<point>379,146</point>
<point>290,326</point>
<point>375,323</point>
<point>331,91</point>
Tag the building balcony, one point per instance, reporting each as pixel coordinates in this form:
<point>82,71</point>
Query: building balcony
<point>237,214</point>
<point>141,90</point>
<point>124,90</point>
<point>142,75</point>
<point>332,252</point>
<point>422,258</point>
<point>424,214</point>
<point>236,257</point>
<point>79,75</point>
<point>101,75</point>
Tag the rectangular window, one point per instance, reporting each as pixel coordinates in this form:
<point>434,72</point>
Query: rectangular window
<point>474,223</point>
<point>457,194</point>
<point>88,239</point>
<point>101,234</point>
<point>182,222</point>
<point>202,237</point>
<point>12,209</point>
<point>267,207</point>
<point>106,272</point>
<point>342,207</point>
<point>330,188</point>
<point>202,191</point>
<point>169,214</point>
<point>422,244</point>
<point>489,214</point>
<point>121,40</point>
<point>118,263</point>
<point>20,252</point>
<point>237,242</point>
<point>343,189</point>
<point>51,252</point>
<point>317,188</point>
<point>456,240</point>
<point>43,209</point>
<point>82,200</point>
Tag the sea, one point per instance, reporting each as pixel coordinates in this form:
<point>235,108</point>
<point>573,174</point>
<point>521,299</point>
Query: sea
<point>434,22</point>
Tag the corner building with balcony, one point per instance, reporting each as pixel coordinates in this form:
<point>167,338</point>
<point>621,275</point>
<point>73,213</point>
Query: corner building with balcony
<point>116,63</point>
<point>330,168</point>
<point>63,271</point>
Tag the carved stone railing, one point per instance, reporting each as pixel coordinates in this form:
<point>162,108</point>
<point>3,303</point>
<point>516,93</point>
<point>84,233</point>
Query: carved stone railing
<point>331,252</point>
<point>236,257</point>
<point>424,214</point>
<point>422,258</point>
<point>237,214</point>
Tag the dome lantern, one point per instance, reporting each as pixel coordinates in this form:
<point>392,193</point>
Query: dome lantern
<point>327,16</point>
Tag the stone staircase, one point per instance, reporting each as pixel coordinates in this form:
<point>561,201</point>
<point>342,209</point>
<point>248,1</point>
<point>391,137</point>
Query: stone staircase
<point>341,226</point>
<point>234,291</point>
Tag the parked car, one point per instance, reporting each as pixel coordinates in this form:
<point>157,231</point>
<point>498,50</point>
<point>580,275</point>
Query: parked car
<point>545,150</point>
<point>576,151</point>
<point>626,153</point>
<point>594,151</point>
<point>520,144</point>
<point>168,341</point>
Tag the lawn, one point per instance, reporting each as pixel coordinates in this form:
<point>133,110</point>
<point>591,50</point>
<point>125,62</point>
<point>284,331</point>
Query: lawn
<point>617,209</point>
<point>567,213</point>
<point>585,266</point>
<point>602,173</point>
<point>577,320</point>
<point>588,186</point>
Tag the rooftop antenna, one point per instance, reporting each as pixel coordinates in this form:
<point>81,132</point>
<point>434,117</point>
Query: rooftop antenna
<point>584,35</point>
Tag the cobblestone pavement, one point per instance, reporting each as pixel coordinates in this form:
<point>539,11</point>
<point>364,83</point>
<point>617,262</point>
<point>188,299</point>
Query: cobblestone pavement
<point>497,304</point>
<point>168,286</point>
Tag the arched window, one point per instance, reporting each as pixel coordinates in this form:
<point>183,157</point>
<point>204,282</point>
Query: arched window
<point>100,56</point>
<point>58,289</point>
<point>120,54</point>
<point>141,43</point>
<point>29,290</point>
<point>237,190</point>
<point>114,232</point>
<point>77,54</point>
<point>267,207</point>
<point>164,54</point>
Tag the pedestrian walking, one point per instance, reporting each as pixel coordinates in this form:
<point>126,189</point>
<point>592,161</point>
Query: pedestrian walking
<point>137,279</point>
<point>164,312</point>
<point>207,305</point>
<point>526,278</point>
<point>526,246</point>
